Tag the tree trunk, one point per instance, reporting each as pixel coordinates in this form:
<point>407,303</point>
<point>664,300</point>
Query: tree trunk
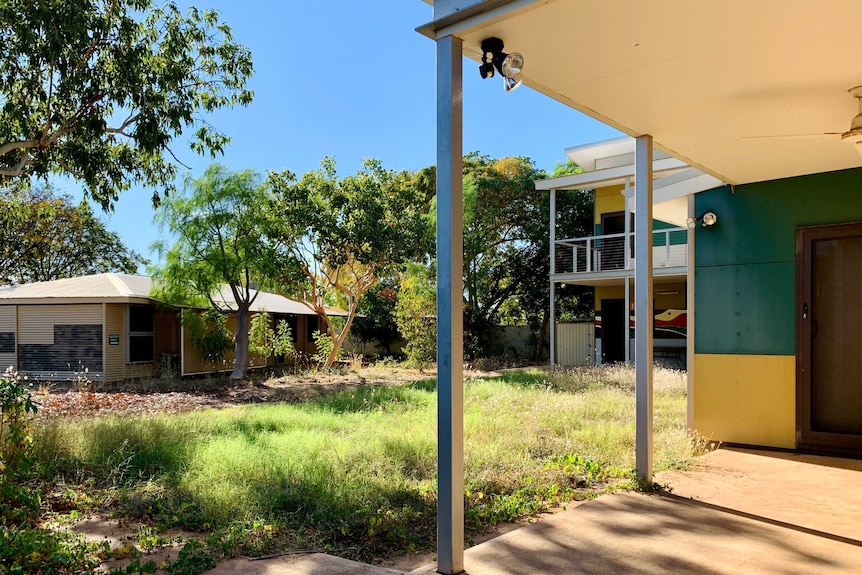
<point>339,341</point>
<point>240,362</point>
<point>543,334</point>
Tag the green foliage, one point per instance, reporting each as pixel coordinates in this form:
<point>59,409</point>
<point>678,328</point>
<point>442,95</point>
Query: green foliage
<point>194,558</point>
<point>506,234</point>
<point>209,333</point>
<point>220,252</point>
<point>32,550</point>
<point>16,408</point>
<point>415,313</point>
<point>343,234</point>
<point>18,503</point>
<point>269,342</point>
<point>325,347</point>
<point>45,237</point>
<point>377,307</point>
<point>99,90</point>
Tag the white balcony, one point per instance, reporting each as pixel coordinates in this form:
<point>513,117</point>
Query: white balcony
<point>607,256</point>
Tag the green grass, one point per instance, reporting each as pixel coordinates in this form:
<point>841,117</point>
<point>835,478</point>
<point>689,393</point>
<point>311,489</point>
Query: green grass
<point>354,471</point>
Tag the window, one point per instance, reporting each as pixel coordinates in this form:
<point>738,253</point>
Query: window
<point>313,326</point>
<point>141,339</point>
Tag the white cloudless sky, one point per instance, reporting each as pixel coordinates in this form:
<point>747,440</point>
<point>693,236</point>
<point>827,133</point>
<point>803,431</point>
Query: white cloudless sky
<point>354,80</point>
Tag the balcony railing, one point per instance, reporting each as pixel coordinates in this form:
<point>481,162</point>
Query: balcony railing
<point>608,252</point>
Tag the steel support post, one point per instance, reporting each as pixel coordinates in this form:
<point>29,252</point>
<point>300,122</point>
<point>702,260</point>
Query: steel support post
<point>643,308</point>
<point>450,320</point>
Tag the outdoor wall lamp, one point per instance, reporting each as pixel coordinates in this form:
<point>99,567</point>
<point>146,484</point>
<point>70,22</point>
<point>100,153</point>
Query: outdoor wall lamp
<point>707,219</point>
<point>510,66</point>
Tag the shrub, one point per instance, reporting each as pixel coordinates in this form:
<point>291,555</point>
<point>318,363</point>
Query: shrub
<point>415,313</point>
<point>209,332</point>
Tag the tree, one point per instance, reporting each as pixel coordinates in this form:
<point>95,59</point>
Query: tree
<point>416,314</point>
<point>100,89</point>
<point>377,320</point>
<point>498,201</point>
<point>506,252</point>
<point>46,237</point>
<point>218,220</point>
<point>342,235</point>
<point>530,302</point>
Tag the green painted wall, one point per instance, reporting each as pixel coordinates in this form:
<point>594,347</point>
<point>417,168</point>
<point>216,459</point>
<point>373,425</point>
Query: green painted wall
<point>745,265</point>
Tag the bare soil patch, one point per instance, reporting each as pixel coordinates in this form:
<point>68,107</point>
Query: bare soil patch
<point>176,396</point>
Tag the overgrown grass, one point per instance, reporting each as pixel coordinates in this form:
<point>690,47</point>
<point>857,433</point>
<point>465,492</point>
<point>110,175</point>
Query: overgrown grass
<point>354,471</point>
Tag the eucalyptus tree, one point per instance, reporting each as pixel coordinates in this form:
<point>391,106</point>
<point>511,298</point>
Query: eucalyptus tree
<point>100,90</point>
<point>341,235</point>
<point>218,221</point>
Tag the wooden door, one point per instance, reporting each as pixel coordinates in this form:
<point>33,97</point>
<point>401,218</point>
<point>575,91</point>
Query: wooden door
<point>829,337</point>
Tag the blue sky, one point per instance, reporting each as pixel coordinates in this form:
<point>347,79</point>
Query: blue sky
<point>354,80</point>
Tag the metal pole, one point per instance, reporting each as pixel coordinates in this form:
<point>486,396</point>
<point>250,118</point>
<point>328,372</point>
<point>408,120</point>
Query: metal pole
<point>643,308</point>
<point>628,299</point>
<point>689,305</point>
<point>450,319</point>
<point>552,340</point>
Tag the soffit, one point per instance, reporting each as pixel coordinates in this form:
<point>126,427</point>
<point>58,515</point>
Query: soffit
<point>700,77</point>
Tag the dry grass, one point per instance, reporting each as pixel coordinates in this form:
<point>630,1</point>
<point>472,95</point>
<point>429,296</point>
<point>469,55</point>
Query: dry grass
<point>356,467</point>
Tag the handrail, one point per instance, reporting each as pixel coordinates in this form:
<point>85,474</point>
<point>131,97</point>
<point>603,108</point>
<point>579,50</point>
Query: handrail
<point>608,252</point>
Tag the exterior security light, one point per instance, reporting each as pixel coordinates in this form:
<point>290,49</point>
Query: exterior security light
<point>509,66</point>
<point>706,220</point>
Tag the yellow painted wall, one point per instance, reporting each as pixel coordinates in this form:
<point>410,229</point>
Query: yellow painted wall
<point>608,292</point>
<point>669,301</point>
<point>748,399</point>
<point>608,200</point>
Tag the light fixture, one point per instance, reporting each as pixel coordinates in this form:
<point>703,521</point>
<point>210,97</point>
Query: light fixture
<point>854,134</point>
<point>510,66</point>
<point>706,220</point>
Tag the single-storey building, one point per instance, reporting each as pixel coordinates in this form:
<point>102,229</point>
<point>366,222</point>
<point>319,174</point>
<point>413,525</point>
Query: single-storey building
<point>107,327</point>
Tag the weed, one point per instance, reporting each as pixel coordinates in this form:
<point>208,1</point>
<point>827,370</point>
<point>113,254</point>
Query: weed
<point>355,470</point>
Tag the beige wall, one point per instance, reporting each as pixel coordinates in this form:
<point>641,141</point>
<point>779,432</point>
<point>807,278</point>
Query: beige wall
<point>166,341</point>
<point>193,362</point>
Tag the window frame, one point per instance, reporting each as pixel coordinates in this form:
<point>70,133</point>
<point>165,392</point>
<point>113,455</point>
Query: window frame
<point>151,335</point>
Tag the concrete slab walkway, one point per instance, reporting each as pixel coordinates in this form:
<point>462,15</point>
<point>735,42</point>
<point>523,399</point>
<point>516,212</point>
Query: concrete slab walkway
<point>751,512</point>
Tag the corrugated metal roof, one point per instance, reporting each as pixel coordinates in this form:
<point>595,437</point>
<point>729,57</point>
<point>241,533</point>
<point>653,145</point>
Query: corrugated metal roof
<point>115,287</point>
<point>274,303</point>
<point>100,286</point>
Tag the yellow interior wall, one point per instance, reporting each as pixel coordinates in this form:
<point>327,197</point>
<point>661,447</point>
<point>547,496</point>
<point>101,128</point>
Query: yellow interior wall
<point>609,200</point>
<point>669,301</point>
<point>608,292</point>
<point>662,302</point>
<point>748,399</point>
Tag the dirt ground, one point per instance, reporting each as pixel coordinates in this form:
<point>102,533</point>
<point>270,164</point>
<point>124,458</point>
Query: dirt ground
<point>175,396</point>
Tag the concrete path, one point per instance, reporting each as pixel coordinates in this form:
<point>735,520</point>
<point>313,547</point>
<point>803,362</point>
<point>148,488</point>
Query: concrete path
<point>751,513</point>
<point>315,564</point>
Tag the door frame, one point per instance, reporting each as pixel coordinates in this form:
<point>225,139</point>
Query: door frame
<point>805,436</point>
